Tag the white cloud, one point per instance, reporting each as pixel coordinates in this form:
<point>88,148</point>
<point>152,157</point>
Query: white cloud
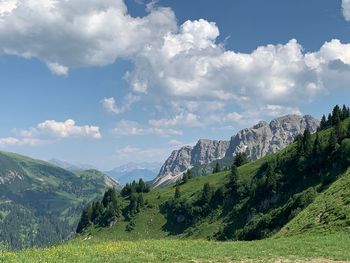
<point>6,6</point>
<point>49,131</point>
<point>109,104</point>
<point>132,128</point>
<point>55,129</point>
<point>76,33</point>
<point>182,64</point>
<point>183,119</point>
<point>11,141</point>
<point>346,9</point>
<point>58,69</point>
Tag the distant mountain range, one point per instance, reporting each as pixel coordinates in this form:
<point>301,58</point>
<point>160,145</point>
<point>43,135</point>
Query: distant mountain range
<point>134,171</point>
<point>71,167</point>
<point>261,139</point>
<point>41,203</point>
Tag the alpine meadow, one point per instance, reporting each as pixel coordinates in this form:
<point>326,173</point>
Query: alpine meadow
<point>171,131</point>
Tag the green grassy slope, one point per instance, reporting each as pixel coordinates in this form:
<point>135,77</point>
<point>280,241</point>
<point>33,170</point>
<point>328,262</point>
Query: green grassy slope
<point>40,203</point>
<point>328,213</point>
<point>149,223</point>
<point>313,248</point>
<point>256,212</point>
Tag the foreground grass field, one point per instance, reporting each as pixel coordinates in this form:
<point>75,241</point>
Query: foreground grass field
<point>314,248</point>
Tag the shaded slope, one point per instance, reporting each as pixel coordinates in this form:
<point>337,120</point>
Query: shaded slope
<point>41,203</point>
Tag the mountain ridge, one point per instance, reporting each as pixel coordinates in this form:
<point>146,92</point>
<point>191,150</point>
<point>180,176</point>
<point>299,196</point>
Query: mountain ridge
<point>261,139</point>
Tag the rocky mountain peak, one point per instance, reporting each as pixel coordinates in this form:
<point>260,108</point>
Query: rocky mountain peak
<point>257,141</point>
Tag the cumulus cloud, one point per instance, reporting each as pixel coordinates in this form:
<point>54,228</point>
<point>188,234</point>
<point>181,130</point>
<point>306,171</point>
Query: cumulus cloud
<point>12,141</point>
<point>55,129</point>
<point>346,9</point>
<point>110,105</point>
<point>77,33</point>
<point>127,128</point>
<point>183,119</point>
<point>51,130</point>
<point>58,69</point>
<point>178,67</point>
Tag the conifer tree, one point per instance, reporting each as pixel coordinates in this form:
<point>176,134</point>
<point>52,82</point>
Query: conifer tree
<point>323,123</point>
<point>140,202</point>
<point>85,219</point>
<point>240,159</point>
<point>177,194</point>
<point>217,168</point>
<point>307,142</point>
<point>133,204</point>
<point>97,212</point>
<point>207,194</point>
<point>344,113</point>
<point>332,142</point>
<point>336,115</point>
<point>317,147</point>
<point>233,179</point>
<point>109,196</point>
<point>340,132</point>
<point>329,120</point>
<point>300,145</point>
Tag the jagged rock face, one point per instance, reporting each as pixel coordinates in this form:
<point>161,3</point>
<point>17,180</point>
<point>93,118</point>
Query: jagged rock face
<point>265,138</point>
<point>257,141</point>
<point>205,151</point>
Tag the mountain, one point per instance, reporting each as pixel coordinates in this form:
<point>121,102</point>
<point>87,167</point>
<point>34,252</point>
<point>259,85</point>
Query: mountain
<point>205,151</point>
<point>40,203</point>
<point>134,171</point>
<point>71,167</point>
<point>265,138</point>
<point>261,139</point>
<point>301,191</point>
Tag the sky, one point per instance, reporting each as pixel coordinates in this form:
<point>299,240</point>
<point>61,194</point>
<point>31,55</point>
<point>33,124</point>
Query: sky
<point>111,82</point>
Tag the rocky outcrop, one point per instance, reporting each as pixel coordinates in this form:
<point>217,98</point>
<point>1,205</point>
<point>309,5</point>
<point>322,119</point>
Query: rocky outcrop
<point>257,141</point>
<point>265,138</point>
<point>205,151</point>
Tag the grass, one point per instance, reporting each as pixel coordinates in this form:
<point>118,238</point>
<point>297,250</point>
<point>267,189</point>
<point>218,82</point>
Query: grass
<point>300,248</point>
<point>329,212</point>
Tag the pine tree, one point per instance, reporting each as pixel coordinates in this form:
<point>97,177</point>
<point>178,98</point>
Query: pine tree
<point>323,123</point>
<point>344,113</point>
<point>140,202</point>
<point>307,142</point>
<point>97,212</point>
<point>185,177</point>
<point>240,159</point>
<point>332,142</point>
<point>329,120</point>
<point>340,132</point>
<point>300,145</point>
<point>336,114</point>
<point>133,204</point>
<point>217,168</point>
<point>109,196</point>
<point>141,186</point>
<point>177,194</point>
<point>317,148</point>
<point>85,219</point>
<point>233,179</point>
<point>271,176</point>
<point>207,194</point>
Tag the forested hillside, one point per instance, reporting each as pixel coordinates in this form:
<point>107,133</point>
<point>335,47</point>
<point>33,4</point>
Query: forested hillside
<point>40,203</point>
<point>246,201</point>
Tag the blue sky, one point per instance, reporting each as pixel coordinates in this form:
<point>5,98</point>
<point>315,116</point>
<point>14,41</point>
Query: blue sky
<point>112,82</point>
